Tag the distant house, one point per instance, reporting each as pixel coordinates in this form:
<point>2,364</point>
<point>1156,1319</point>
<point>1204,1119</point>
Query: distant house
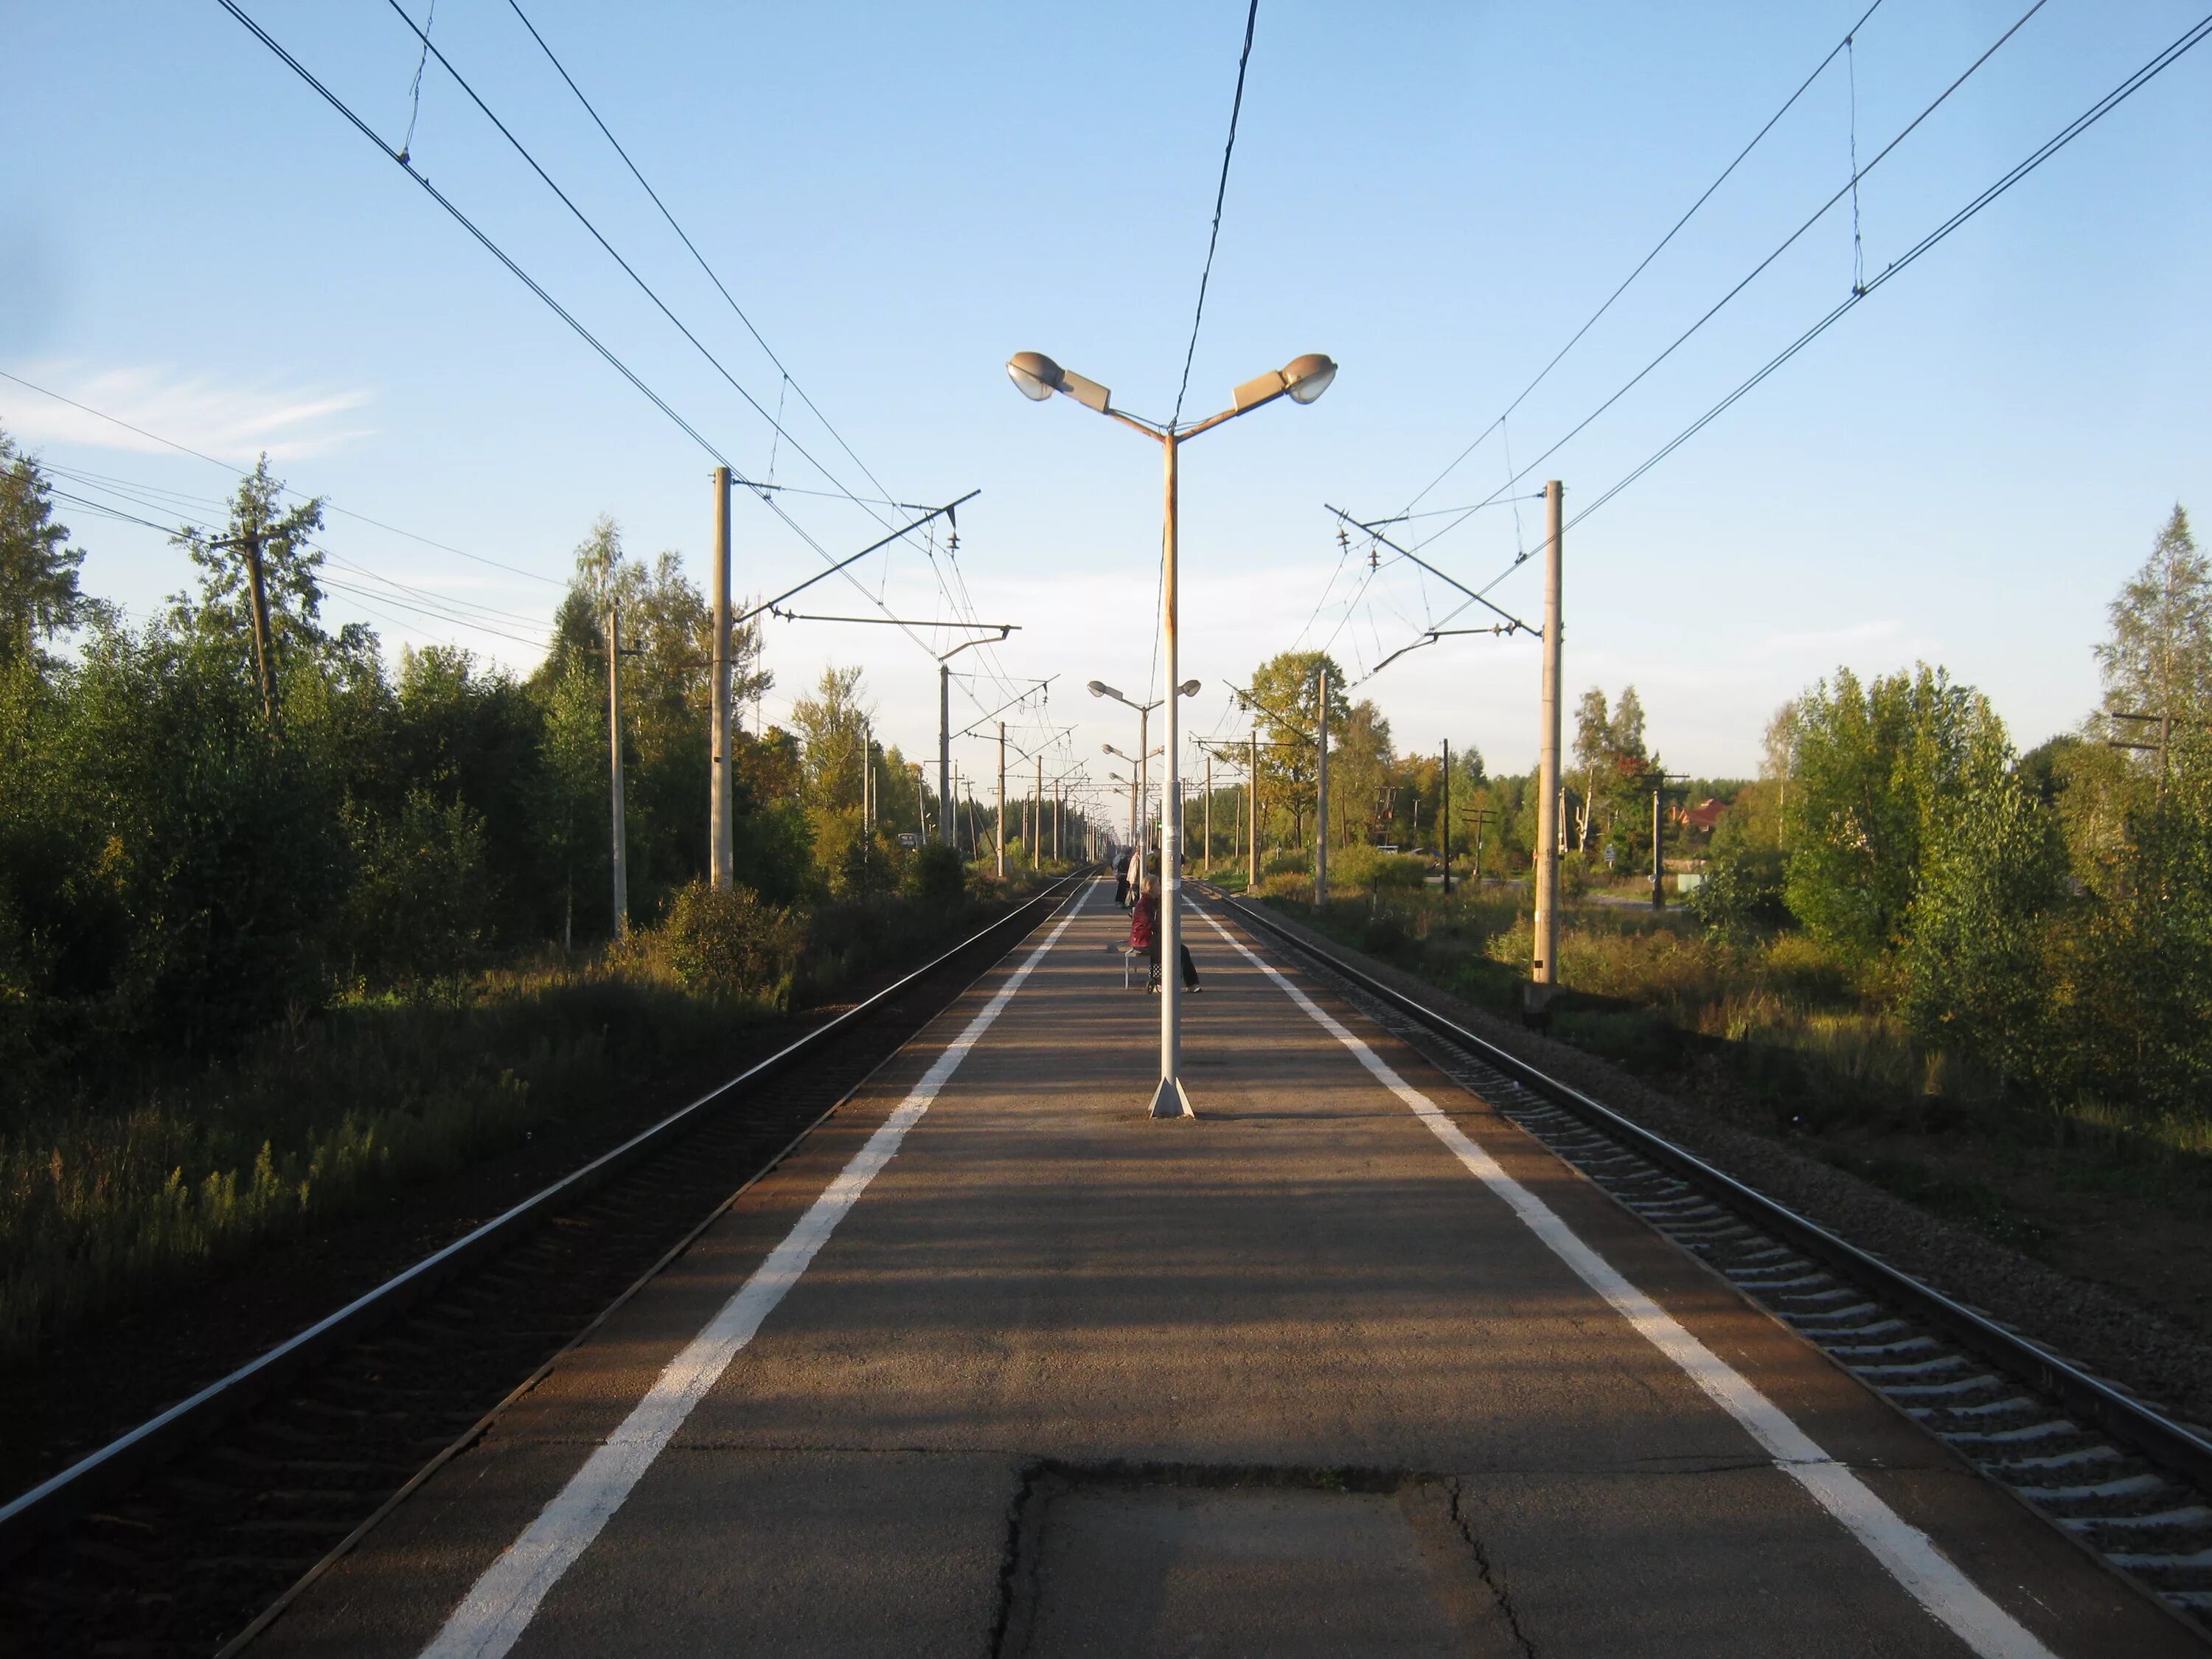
<point>1703,817</point>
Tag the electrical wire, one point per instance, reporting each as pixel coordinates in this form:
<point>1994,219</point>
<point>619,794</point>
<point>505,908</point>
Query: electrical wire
<point>2190,38</point>
<point>682,235</point>
<point>1658,247</point>
<point>1220,196</point>
<point>531,284</point>
<point>1751,276</point>
<point>236,470</point>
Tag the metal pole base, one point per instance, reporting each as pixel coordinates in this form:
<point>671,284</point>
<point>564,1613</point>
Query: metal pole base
<point>1169,1101</point>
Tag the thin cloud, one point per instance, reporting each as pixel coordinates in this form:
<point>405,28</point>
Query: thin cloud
<point>231,423</point>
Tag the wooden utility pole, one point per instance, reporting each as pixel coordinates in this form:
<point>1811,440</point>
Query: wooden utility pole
<point>1546,932</point>
<point>999,837</point>
<point>719,845</point>
<point>1444,821</point>
<point>1321,802</point>
<point>257,611</point>
<point>1476,818</point>
<point>615,769</point>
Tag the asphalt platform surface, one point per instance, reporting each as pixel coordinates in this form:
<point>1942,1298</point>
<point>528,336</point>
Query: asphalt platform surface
<point>1282,1379</point>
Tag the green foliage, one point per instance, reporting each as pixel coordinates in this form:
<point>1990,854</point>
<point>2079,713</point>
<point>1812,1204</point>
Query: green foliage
<point>1877,766</point>
<point>1742,896</point>
<point>935,875</point>
<point>727,944</point>
<point>39,592</point>
<point>2158,659</point>
<point>1360,865</point>
<point>1974,959</point>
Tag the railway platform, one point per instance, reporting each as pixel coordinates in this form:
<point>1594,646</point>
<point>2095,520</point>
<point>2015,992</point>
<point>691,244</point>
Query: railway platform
<point>994,1363</point>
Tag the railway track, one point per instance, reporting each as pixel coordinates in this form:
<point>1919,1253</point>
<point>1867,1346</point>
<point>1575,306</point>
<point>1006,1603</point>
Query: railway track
<point>186,1535</point>
<point>2113,1472</point>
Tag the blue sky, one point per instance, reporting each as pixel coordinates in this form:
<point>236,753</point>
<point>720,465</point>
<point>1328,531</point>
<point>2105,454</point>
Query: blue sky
<point>1964,469</point>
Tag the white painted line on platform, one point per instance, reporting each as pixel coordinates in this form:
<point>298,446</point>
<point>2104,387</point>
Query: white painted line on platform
<point>493,1615</point>
<point>1908,1554</point>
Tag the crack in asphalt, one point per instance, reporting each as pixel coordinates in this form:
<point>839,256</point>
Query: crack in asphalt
<point>1466,1530</point>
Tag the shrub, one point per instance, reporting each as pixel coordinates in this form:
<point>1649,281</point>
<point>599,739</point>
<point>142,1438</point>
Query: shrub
<point>1286,861</point>
<point>726,943</point>
<point>1286,884</point>
<point>1363,866</point>
<point>935,875</point>
<point>1741,895</point>
<point>1574,877</point>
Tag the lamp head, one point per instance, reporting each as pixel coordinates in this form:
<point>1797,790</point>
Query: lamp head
<point>1100,688</point>
<point>1035,375</point>
<point>1306,377</point>
<point>1188,687</point>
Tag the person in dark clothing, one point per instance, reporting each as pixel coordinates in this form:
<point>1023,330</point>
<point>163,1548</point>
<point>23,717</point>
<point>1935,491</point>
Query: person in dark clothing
<point>1144,935</point>
<point>1121,884</point>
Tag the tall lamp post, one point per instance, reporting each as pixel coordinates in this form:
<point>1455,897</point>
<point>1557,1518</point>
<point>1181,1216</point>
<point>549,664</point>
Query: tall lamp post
<point>1303,379</point>
<point>1137,764</point>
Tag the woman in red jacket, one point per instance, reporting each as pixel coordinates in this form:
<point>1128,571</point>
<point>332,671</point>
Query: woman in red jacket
<point>1144,935</point>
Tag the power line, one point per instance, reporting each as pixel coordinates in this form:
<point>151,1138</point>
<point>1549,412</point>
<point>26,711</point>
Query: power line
<point>1787,243</point>
<point>685,237</point>
<point>236,470</point>
<point>531,284</point>
<point>1220,195</point>
<point>2119,94</point>
<point>1658,247</point>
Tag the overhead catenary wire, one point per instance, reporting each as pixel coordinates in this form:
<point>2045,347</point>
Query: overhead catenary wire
<point>2157,65</point>
<point>1220,196</point>
<point>1657,248</point>
<point>783,433</point>
<point>789,379</point>
<point>1757,270</point>
<point>492,247</point>
<point>2163,60</point>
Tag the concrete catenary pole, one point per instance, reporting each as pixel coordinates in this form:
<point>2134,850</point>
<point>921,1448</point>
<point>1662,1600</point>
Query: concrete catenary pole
<point>999,837</point>
<point>615,770</point>
<point>1444,821</point>
<point>1658,865</point>
<point>720,846</point>
<point>1208,860</point>
<point>1036,817</point>
<point>1546,947</point>
<point>944,756</point>
<point>1252,816</point>
<point>1321,801</point>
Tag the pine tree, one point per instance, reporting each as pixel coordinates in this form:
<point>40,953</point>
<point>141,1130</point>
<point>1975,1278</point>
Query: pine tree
<point>39,592</point>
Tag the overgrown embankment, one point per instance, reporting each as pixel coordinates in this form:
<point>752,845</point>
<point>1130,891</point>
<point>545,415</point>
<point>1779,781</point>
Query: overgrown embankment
<point>138,1181</point>
<point>1784,1036</point>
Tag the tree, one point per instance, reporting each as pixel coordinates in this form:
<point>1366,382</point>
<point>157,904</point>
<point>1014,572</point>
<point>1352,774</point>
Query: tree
<point>1288,685</point>
<point>1975,950</point>
<point>1878,766</point>
<point>2158,661</point>
<point>291,573</point>
<point>39,592</point>
<point>831,725</point>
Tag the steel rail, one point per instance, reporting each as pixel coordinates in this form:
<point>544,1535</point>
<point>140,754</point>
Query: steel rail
<point>62,1498</point>
<point>2158,1438</point>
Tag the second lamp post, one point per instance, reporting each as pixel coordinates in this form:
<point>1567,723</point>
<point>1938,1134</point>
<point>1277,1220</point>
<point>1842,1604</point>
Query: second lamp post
<point>1303,379</point>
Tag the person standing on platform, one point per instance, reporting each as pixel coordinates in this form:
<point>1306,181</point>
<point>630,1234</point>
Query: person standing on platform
<point>1121,884</point>
<point>1135,873</point>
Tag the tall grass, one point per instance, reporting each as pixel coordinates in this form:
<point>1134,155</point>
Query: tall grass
<point>141,1183</point>
<point>1812,1034</point>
